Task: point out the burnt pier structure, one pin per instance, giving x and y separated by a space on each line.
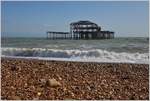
82 30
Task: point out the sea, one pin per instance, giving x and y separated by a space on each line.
117 50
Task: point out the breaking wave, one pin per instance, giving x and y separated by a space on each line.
92 55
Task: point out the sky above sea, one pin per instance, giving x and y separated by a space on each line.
34 18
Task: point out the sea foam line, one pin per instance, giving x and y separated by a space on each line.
92 55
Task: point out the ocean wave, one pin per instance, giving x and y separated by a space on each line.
92 55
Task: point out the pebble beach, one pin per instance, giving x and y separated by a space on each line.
29 79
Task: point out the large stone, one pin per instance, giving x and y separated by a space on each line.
53 83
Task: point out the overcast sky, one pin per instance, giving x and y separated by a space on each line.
33 19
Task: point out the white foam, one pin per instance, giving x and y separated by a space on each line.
92 55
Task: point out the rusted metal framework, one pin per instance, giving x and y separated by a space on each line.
105 35
82 30
58 35
88 30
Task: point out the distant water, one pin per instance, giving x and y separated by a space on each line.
130 50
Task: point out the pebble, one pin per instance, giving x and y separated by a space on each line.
39 93
25 84
36 98
42 81
15 97
88 87
53 83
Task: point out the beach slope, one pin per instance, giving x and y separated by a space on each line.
26 79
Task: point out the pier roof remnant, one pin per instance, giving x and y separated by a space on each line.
83 23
